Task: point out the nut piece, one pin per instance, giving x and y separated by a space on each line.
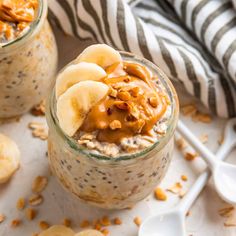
189 110
124 96
115 124
153 101
137 220
20 205
43 225
105 232
2 218
181 144
39 184
67 222
176 188
160 194
122 105
113 92
117 221
105 221
134 91
184 177
190 156
35 200
30 213
85 224
15 223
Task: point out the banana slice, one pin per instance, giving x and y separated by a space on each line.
100 54
75 103
90 232
76 73
58 230
9 158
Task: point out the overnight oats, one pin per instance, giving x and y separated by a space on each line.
28 55
111 121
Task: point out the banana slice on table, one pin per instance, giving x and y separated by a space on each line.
9 158
58 230
90 232
100 54
76 73
75 103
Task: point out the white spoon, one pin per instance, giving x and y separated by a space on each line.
172 222
224 174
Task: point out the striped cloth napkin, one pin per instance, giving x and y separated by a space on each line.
192 41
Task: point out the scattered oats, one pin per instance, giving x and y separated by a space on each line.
39 184
105 232
226 211
85 224
39 110
115 124
105 221
43 225
160 194
189 110
87 137
176 188
204 138
2 218
184 177
38 130
30 213
117 221
15 223
230 221
35 199
204 118
189 156
67 222
137 220
20 204
181 144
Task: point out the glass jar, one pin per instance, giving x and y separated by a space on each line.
106 182
28 65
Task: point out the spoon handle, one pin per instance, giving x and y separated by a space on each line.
204 152
202 180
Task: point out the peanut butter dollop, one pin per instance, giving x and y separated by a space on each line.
133 106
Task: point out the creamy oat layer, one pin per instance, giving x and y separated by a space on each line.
111 107
15 18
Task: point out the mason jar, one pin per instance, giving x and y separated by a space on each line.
28 65
111 182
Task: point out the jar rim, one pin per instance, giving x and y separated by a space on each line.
171 124
42 11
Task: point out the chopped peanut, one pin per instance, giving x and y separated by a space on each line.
160 194
122 105
39 184
190 156
20 205
39 110
97 225
15 223
67 222
30 213
137 220
85 224
105 221
115 124
189 110
105 232
117 221
153 101
43 225
134 91
2 218
124 96
184 177
181 144
35 200
205 118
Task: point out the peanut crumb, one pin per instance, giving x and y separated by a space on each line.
184 177
160 194
38 130
97 225
188 213
117 221
85 224
189 156
43 225
30 213
105 232
20 204
189 110
137 220
2 218
115 124
35 200
153 101
39 184
204 138
15 223
124 96
39 110
204 118
105 221
181 144
67 222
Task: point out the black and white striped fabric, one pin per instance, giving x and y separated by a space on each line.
192 41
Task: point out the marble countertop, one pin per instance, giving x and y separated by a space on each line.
58 204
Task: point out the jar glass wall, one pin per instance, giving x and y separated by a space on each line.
28 65
107 182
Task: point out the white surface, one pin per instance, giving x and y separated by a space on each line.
58 204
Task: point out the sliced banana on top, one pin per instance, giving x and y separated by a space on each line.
58 230
100 54
75 103
76 73
90 232
9 158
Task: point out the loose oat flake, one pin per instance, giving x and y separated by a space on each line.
39 184
35 200
38 130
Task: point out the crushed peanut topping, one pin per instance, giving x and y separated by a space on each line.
20 205
117 221
2 218
97 225
39 184
67 222
115 124
181 144
189 156
160 194
43 225
85 224
184 177
105 232
137 221
15 223
105 221
39 110
30 213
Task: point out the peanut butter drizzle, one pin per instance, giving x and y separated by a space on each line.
15 16
132 107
